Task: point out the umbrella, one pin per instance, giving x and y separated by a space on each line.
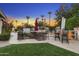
36 24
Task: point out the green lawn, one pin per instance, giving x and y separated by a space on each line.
41 49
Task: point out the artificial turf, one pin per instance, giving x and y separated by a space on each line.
36 49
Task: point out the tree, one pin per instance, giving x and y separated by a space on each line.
61 12
28 19
72 22
67 10
75 9
40 24
42 16
49 16
71 13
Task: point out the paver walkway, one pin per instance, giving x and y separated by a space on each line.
72 46
4 43
29 41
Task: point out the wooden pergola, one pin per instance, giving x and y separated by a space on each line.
3 19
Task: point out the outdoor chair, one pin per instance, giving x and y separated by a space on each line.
71 35
20 36
64 37
57 35
75 36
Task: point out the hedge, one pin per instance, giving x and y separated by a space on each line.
4 37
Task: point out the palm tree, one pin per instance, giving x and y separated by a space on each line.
49 17
28 17
42 16
27 20
44 21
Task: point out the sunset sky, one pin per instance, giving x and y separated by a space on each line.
21 10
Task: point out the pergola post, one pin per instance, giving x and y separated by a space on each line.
0 26
63 21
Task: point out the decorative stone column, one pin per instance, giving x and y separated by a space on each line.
13 37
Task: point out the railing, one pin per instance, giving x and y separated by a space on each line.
32 35
43 35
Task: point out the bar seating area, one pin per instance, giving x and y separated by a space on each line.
66 36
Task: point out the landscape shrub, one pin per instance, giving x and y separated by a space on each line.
73 22
4 36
